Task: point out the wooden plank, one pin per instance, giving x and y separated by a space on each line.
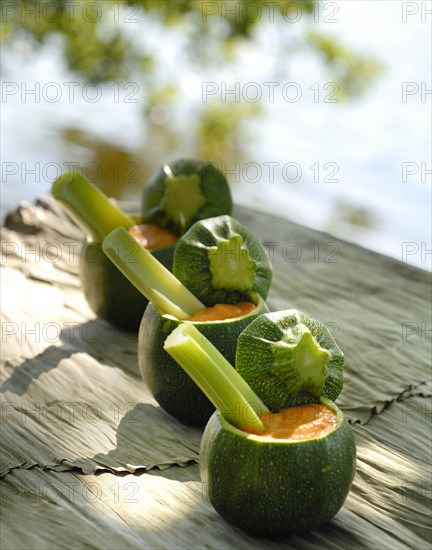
60 326
405 427
75 406
70 400
389 506
48 510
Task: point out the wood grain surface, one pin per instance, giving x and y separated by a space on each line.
88 458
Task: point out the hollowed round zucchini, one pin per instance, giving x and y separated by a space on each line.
277 487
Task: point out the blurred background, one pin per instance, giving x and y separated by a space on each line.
318 112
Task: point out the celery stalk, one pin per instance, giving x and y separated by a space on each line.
216 377
88 206
149 276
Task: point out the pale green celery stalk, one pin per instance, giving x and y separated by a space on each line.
88 206
149 276
216 377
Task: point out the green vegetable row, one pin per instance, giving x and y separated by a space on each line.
246 366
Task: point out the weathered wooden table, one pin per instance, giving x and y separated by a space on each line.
88 459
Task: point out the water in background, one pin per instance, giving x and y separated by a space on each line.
334 167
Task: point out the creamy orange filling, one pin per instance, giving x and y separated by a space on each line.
151 236
220 312
299 423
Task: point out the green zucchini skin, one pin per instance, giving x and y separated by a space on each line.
169 384
109 294
201 251
255 360
276 488
213 187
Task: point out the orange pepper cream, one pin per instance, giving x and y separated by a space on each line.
151 236
298 423
220 312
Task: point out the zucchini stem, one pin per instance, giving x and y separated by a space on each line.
89 207
149 276
216 377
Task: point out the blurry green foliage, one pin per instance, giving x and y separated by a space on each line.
97 46
99 41
353 73
223 123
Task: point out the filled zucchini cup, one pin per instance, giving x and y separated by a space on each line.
172 388
268 473
276 485
234 276
110 295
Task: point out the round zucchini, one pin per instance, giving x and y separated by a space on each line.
289 358
277 487
108 292
184 191
221 261
172 388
